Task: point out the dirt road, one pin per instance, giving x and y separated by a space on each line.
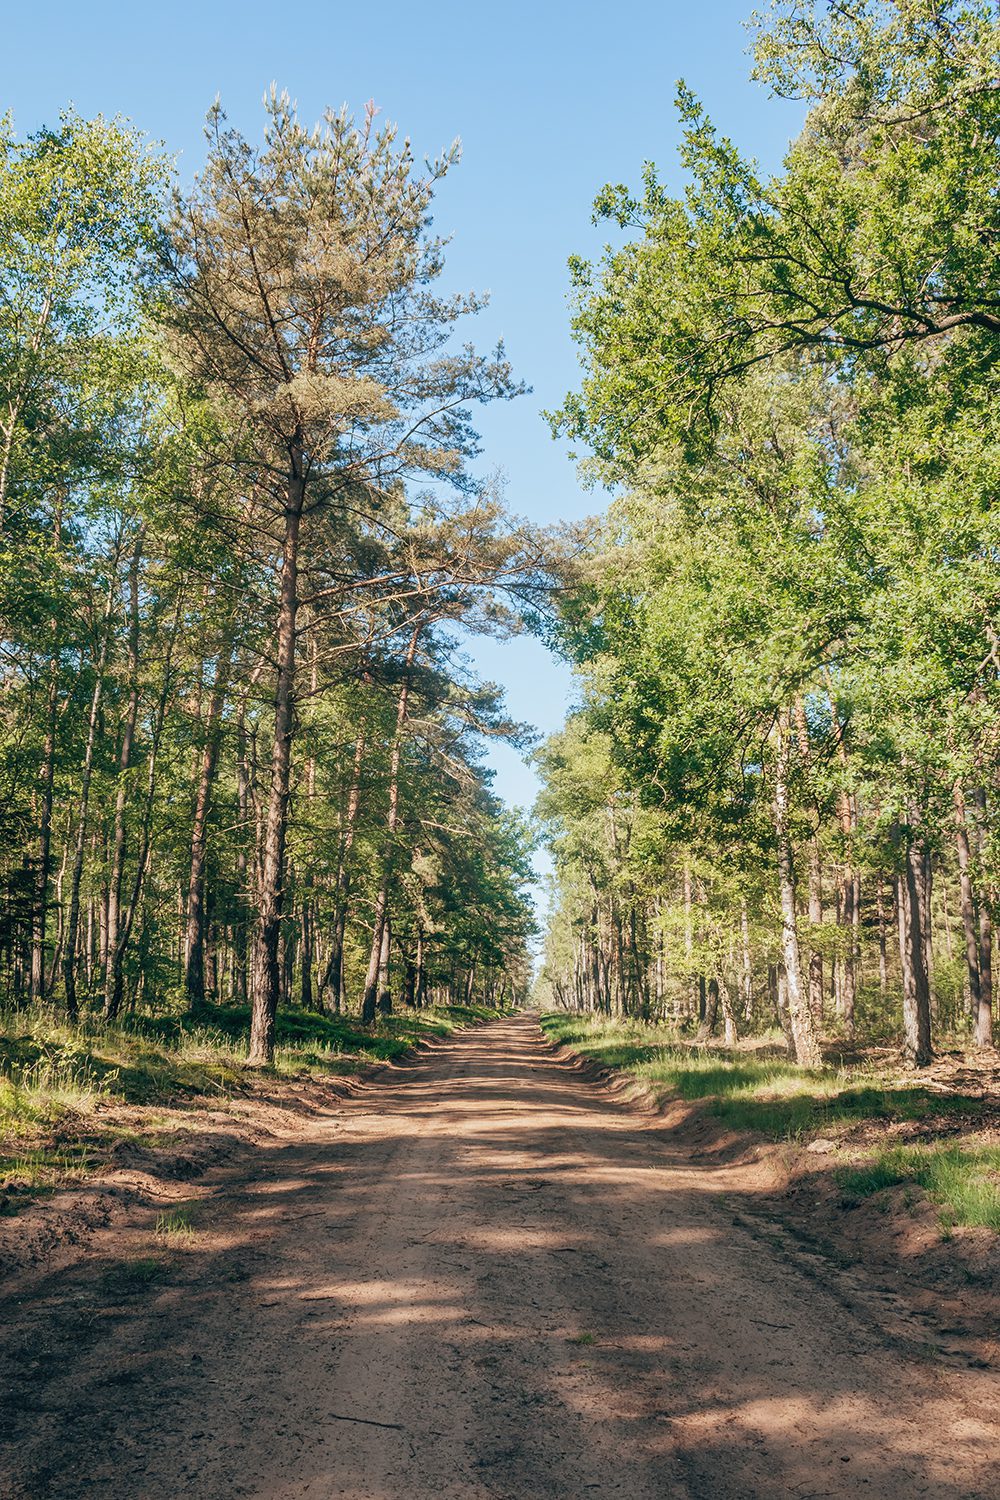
486 1279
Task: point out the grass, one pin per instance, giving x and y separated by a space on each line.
963 1179
130 1276
175 1224
55 1079
767 1094
773 1097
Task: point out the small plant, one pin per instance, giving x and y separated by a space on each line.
176 1223
585 1339
133 1275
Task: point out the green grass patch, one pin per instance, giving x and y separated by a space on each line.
175 1223
767 1094
49 1069
964 1180
32 1173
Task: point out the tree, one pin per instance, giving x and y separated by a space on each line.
300 297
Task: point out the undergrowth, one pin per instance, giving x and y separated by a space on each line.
56 1077
760 1091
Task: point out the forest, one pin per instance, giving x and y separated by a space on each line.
243 548
776 803
362 1133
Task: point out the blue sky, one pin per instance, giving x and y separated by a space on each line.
551 100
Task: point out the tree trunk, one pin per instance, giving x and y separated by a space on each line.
916 997
807 1053
711 1016
240 987
731 1033
267 971
194 939
384 991
781 1007
332 994
371 993
924 880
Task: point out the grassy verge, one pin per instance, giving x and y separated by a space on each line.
770 1096
57 1080
963 1179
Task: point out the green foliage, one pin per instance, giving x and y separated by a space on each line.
785 628
146 411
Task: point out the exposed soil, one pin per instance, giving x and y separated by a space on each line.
483 1276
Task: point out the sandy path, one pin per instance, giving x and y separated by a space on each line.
529 1289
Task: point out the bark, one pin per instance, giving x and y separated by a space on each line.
916 996
384 992
807 1053
332 994
266 969
781 1007
924 882
240 987
306 957
707 1028
194 938
371 993
731 1033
